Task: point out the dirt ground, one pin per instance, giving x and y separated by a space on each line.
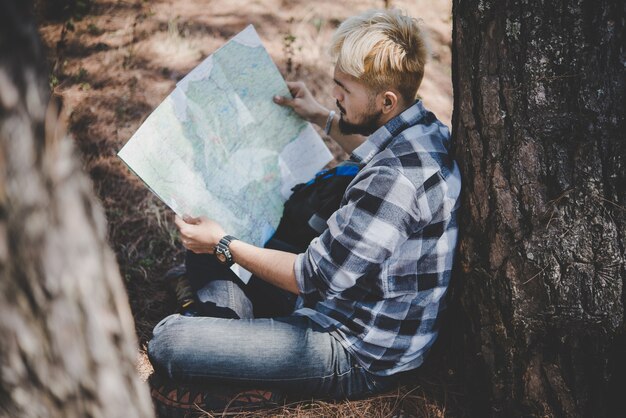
113 62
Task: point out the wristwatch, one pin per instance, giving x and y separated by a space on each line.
222 251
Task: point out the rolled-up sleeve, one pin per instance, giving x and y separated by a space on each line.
379 211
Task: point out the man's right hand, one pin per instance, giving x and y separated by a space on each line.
303 103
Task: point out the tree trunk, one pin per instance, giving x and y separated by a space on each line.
539 131
67 345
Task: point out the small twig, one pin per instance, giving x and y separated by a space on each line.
568 231
611 202
560 197
552 203
542 270
551 217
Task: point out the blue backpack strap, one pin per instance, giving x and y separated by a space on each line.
348 168
344 169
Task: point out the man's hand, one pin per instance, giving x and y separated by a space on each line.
303 103
199 235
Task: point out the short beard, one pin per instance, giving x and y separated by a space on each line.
366 128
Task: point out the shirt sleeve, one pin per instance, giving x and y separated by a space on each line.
380 211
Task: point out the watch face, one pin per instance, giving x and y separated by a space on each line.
221 257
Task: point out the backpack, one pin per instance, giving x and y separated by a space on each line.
310 206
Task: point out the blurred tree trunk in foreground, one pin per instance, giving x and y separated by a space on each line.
540 101
67 345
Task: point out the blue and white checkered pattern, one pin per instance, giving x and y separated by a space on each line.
377 275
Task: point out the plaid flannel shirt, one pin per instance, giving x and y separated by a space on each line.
377 276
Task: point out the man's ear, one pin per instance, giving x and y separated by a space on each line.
390 102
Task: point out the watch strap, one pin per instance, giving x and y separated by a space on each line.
223 248
227 239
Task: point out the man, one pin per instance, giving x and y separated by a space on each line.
370 287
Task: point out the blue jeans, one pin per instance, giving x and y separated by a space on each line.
287 353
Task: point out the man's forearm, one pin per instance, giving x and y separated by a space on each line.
273 266
348 142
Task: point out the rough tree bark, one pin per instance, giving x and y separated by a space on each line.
540 96
67 345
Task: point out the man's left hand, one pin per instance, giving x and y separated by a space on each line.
199 235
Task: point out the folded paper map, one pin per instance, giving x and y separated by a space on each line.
218 146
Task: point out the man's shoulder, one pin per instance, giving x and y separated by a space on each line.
418 149
415 157
420 152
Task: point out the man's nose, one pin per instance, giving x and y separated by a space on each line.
337 94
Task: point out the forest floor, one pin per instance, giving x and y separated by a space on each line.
112 62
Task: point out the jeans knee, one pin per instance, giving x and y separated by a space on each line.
162 348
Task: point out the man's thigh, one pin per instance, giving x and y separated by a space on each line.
290 353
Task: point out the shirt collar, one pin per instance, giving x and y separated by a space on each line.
381 138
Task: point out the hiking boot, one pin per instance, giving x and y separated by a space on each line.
185 296
172 400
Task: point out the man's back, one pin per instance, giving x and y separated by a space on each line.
377 275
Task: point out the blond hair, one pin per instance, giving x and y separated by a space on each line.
383 49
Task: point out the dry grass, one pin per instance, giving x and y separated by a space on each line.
401 404
122 59
406 401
